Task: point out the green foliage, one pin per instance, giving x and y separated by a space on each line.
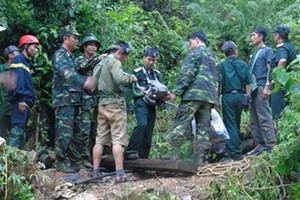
165 26
14 167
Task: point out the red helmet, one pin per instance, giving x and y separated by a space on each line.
28 39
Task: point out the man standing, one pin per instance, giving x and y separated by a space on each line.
235 82
262 127
67 87
9 53
85 64
112 118
22 98
285 54
197 85
141 138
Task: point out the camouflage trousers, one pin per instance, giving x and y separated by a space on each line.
5 120
86 117
19 121
68 144
181 131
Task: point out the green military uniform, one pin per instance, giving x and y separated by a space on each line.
141 138
288 52
235 76
197 85
85 66
4 108
66 97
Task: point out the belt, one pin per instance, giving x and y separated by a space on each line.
234 92
112 96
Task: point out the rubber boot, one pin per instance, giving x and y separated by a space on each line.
17 137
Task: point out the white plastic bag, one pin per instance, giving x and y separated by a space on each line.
218 131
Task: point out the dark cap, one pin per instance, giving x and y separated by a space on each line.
282 29
261 31
200 35
10 49
229 45
68 30
111 47
150 52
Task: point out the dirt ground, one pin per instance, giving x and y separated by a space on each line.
150 185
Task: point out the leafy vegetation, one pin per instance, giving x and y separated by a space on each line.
165 26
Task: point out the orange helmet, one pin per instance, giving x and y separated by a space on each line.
28 39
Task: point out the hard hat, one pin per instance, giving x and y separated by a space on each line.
28 39
90 39
10 49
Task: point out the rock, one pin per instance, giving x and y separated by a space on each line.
188 197
115 194
2 142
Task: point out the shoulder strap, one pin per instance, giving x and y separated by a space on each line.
255 58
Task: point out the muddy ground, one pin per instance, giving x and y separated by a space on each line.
150 185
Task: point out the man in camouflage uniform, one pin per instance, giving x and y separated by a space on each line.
285 54
85 64
112 118
141 138
235 84
197 85
67 88
9 53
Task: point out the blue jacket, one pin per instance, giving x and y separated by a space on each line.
24 91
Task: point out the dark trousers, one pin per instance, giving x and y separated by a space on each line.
141 137
232 110
278 103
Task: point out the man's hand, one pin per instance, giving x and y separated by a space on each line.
266 92
22 106
246 102
90 83
173 96
134 78
102 56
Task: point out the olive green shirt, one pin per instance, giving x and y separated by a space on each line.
110 76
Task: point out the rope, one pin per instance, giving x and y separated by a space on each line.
223 169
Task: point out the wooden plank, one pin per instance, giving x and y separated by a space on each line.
154 165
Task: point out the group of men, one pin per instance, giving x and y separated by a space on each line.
92 84
255 82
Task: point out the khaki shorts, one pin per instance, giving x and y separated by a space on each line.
112 125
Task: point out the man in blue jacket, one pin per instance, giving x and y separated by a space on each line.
22 98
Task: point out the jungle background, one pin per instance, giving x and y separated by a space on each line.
164 25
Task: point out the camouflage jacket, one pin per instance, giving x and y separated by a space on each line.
85 66
199 77
110 76
3 91
66 81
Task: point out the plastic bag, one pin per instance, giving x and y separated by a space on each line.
218 131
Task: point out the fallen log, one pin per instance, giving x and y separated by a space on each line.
181 166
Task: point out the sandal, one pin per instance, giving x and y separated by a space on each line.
125 178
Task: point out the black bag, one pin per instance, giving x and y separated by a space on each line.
156 92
